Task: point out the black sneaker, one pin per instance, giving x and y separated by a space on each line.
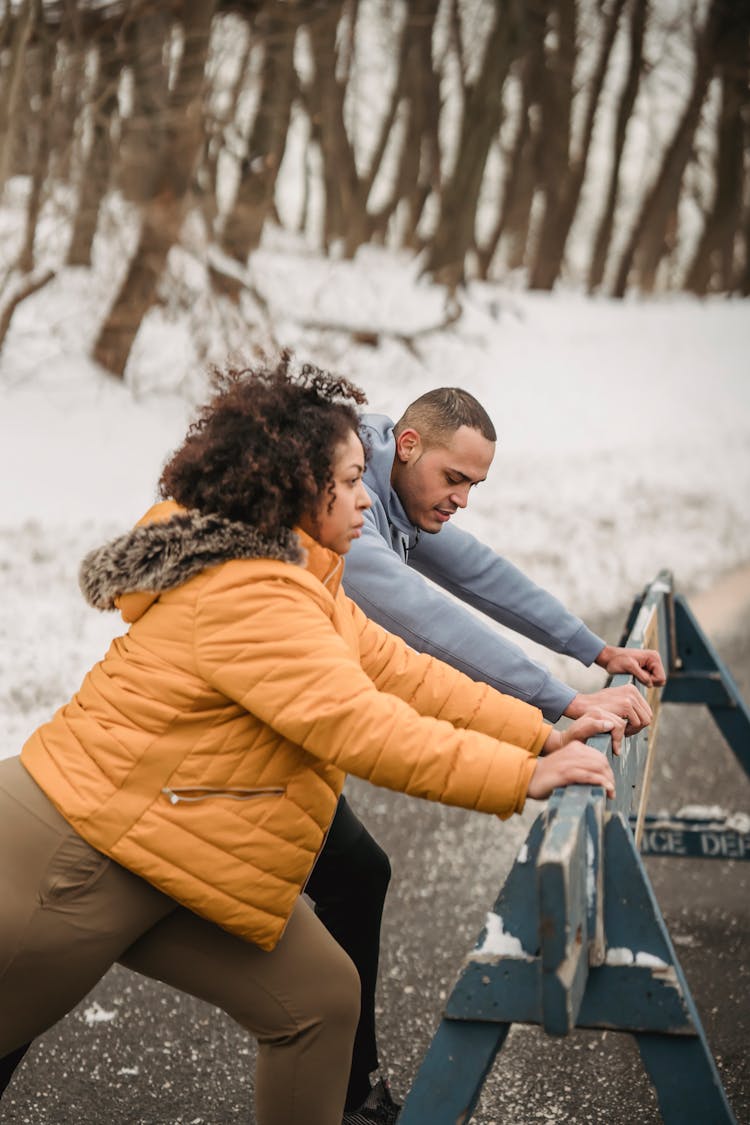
378 1108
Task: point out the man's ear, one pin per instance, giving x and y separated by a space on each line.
408 444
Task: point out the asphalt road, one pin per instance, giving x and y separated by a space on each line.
137 1053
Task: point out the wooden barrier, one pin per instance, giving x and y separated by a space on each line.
576 937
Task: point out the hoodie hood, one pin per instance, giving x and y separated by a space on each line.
159 554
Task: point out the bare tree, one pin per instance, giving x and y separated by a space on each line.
558 219
714 263
147 42
96 171
556 104
346 218
10 94
483 107
40 69
651 239
416 94
628 94
163 213
276 27
522 162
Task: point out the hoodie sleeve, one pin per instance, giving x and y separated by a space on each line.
280 657
399 599
460 563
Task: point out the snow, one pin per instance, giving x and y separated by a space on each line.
623 430
95 1014
497 943
624 956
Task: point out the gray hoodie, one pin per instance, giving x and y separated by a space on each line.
396 596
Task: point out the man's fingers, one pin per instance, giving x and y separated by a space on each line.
656 668
640 673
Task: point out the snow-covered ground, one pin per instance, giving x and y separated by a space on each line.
624 433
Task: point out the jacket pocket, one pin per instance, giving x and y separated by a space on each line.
190 794
73 869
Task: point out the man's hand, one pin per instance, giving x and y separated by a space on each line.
575 764
596 721
644 664
625 701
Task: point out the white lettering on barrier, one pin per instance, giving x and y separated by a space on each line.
672 841
665 841
731 846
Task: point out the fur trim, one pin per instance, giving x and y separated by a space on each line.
160 556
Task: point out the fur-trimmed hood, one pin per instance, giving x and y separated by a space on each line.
162 553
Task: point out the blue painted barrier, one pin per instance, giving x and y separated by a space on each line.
576 937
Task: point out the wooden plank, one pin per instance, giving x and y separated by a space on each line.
563 909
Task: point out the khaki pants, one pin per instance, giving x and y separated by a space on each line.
67 912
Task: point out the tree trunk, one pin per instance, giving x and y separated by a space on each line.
649 241
482 116
163 214
44 51
96 171
521 163
11 91
208 165
346 217
742 284
637 27
557 109
67 103
713 266
278 26
417 92
145 134
556 228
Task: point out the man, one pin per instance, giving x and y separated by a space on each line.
420 471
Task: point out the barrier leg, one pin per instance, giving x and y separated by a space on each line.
704 678
450 1079
685 1078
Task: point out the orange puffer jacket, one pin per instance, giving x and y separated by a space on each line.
207 750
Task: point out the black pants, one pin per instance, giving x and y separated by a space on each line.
348 885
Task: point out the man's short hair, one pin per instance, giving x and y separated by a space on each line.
437 415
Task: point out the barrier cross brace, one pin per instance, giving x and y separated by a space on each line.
576 937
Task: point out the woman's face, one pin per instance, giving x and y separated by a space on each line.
335 528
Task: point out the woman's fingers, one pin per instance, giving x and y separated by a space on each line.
575 764
599 721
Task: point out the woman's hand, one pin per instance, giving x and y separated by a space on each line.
575 764
597 721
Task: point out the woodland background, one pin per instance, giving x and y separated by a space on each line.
597 144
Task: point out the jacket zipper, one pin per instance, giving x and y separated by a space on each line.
190 794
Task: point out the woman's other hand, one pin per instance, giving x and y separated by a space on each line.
574 764
598 721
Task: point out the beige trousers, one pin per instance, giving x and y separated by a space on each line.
67 913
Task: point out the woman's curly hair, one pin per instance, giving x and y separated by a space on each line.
262 449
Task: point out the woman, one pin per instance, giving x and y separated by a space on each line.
169 816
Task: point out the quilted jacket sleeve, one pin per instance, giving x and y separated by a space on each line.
279 655
432 687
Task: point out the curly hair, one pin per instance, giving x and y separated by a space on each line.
261 451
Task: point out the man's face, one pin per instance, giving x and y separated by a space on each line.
434 482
